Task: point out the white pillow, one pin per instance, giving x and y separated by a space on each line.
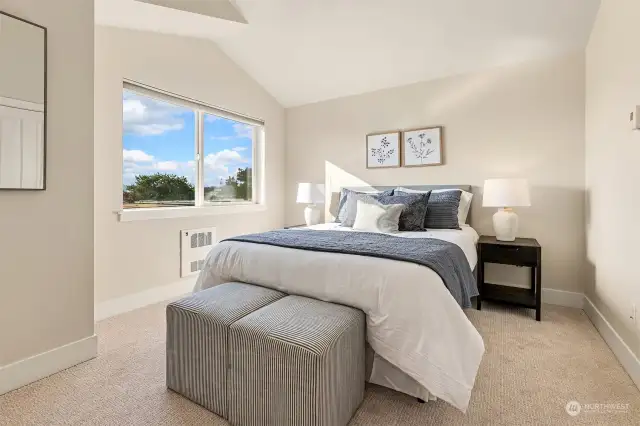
375 217
463 207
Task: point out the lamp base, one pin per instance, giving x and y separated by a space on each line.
505 224
312 215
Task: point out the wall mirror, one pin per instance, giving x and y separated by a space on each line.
23 104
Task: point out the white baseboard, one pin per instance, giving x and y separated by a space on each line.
130 302
563 298
29 370
620 349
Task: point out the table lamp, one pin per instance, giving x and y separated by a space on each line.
311 194
505 194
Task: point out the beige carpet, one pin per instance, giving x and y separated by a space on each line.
529 373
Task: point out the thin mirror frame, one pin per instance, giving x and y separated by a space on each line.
46 107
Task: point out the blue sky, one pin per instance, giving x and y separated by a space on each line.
159 137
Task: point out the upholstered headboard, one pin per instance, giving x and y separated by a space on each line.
468 188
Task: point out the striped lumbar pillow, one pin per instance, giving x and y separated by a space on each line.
442 209
465 200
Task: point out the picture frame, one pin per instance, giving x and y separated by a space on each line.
422 147
383 150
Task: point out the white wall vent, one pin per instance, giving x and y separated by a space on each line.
195 244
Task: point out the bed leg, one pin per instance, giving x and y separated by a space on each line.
421 401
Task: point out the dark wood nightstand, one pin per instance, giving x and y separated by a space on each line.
521 252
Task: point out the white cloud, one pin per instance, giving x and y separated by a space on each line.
145 116
137 162
239 148
223 158
240 131
211 118
217 166
220 165
167 165
243 130
135 155
132 169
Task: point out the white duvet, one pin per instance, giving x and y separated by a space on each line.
424 344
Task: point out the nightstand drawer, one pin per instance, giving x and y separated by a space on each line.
510 255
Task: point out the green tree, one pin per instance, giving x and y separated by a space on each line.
243 187
127 198
241 183
160 187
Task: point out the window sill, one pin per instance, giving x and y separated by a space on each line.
180 212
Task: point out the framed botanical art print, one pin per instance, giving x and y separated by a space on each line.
383 150
422 147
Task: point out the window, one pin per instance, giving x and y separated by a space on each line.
228 160
179 153
158 153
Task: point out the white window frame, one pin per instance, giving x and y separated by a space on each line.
201 207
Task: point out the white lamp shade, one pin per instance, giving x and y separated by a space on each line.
310 193
506 193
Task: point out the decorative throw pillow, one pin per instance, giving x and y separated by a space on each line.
375 217
415 211
463 208
465 204
351 206
413 215
442 209
342 205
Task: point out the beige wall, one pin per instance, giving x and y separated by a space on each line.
22 60
612 169
136 256
521 121
46 238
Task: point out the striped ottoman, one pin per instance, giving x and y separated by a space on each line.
297 361
197 335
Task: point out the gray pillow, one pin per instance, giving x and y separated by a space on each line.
442 209
415 211
412 217
375 217
350 209
342 205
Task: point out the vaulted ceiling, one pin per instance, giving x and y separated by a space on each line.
305 51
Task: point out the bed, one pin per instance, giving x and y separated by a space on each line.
421 341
